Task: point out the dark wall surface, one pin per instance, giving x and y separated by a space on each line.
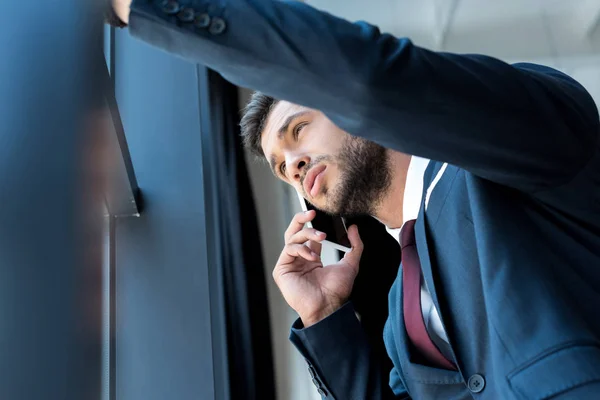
165 333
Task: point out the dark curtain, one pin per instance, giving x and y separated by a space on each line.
249 339
251 374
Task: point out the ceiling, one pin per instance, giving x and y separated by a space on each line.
509 29
564 34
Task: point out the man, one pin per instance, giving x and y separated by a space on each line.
498 291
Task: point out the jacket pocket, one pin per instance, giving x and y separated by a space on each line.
557 371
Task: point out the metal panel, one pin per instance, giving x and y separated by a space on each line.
164 336
123 195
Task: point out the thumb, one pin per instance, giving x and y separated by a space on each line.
353 256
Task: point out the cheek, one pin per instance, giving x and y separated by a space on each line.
326 139
333 176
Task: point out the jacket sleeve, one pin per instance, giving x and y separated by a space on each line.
526 126
340 360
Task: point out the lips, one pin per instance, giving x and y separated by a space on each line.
311 176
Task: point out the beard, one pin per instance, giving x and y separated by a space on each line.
365 176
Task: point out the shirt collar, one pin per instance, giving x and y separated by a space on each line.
413 193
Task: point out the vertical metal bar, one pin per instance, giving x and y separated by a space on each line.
213 235
112 264
106 307
122 195
111 64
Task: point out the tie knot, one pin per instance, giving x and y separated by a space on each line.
407 234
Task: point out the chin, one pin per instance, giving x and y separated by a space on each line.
332 208
322 206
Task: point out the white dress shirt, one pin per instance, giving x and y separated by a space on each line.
413 194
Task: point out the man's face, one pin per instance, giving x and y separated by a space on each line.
336 172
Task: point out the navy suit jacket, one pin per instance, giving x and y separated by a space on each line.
510 241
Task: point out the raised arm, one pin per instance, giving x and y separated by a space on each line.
526 126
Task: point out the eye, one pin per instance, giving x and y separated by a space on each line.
298 128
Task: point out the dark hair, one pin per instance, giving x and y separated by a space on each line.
254 119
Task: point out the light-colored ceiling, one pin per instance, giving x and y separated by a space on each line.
510 29
564 34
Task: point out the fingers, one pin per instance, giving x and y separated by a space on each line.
297 234
305 235
315 246
292 251
353 256
298 223
301 243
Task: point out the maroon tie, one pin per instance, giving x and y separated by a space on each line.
411 298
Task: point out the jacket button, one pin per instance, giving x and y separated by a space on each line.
186 15
170 7
476 383
312 372
217 26
322 392
202 21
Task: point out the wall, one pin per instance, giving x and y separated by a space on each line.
165 331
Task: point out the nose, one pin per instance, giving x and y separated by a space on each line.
296 165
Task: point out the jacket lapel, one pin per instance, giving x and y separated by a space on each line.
421 231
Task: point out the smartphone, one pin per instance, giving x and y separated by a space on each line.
334 227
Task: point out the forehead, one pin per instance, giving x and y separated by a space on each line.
277 117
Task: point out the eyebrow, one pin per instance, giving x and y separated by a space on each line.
272 164
282 131
286 125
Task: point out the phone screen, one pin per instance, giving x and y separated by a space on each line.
333 227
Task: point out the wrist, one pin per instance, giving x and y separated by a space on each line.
316 317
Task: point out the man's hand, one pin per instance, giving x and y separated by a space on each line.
122 8
309 288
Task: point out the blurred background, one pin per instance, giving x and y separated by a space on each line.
137 238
